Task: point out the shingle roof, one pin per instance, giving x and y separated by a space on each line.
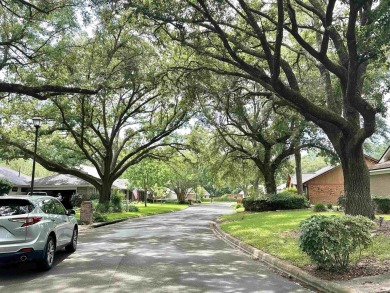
16 178
384 165
308 176
60 180
121 183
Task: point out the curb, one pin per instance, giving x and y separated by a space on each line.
280 265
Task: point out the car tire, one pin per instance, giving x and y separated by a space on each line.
71 247
48 255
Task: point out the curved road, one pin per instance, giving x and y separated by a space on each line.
173 252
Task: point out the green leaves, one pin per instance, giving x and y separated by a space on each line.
329 241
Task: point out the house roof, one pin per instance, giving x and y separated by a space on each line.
14 177
121 183
384 161
308 176
60 180
386 156
70 180
384 165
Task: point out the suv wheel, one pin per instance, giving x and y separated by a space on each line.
72 246
48 256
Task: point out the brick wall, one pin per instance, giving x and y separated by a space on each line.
325 193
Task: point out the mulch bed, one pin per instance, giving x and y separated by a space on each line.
367 266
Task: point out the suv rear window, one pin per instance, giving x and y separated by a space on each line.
11 207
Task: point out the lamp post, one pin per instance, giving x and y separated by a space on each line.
37 123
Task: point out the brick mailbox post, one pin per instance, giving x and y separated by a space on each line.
86 213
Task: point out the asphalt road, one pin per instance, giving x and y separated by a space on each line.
173 252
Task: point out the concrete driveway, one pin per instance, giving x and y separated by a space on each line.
173 252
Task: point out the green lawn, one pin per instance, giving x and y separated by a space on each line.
151 209
277 233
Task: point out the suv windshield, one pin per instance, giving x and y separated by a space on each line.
11 207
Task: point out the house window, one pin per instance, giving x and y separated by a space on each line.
14 189
24 189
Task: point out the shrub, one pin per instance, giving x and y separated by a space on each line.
382 204
238 205
329 206
291 190
287 201
329 241
116 202
99 217
103 207
319 207
281 201
341 201
94 196
256 205
5 186
76 200
133 208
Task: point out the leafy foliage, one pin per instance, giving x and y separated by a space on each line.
133 208
382 204
99 217
319 207
341 201
281 201
329 241
5 186
116 202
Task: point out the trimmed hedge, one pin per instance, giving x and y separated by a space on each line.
288 201
382 204
280 201
257 205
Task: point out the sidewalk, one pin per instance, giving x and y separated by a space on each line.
380 283
370 284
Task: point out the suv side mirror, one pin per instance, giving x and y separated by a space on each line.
70 212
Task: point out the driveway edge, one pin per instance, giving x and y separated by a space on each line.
280 265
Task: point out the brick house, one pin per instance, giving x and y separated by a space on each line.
326 184
380 175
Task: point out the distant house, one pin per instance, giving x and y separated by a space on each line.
190 194
380 176
325 185
20 182
68 184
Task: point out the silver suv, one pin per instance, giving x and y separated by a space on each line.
33 228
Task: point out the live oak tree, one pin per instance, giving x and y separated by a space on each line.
255 128
30 33
132 116
277 44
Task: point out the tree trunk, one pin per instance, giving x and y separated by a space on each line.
181 196
270 183
298 170
256 183
105 192
356 183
